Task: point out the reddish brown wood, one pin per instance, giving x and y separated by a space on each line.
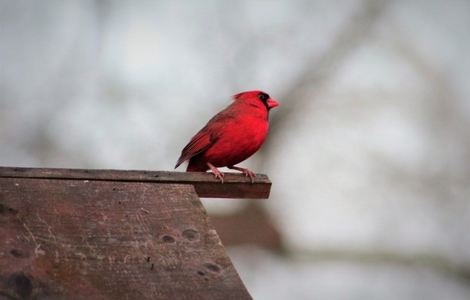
251 225
234 186
106 236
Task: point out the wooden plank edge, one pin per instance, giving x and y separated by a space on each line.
235 185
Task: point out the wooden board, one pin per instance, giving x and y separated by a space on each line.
109 238
235 185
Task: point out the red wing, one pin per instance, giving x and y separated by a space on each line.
207 136
199 143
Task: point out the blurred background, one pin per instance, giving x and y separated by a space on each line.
369 152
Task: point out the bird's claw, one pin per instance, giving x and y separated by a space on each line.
250 174
247 172
219 175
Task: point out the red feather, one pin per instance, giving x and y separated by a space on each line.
200 142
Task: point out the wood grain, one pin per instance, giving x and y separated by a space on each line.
111 235
235 185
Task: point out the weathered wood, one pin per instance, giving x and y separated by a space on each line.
206 185
112 235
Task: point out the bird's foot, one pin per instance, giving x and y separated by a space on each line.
247 172
219 175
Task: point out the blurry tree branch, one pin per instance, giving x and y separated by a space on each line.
434 262
319 69
446 121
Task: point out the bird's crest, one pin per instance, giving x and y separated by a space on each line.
246 94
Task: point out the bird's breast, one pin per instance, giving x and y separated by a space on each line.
238 140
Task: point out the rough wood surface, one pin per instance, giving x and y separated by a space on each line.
110 238
235 184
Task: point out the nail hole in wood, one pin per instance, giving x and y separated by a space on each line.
167 239
212 267
16 253
191 234
21 284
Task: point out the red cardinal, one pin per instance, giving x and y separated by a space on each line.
231 136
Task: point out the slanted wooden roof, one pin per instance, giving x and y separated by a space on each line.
108 234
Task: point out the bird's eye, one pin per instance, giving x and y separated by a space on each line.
263 97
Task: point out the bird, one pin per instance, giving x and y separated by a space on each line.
231 136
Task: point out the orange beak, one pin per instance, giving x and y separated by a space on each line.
272 103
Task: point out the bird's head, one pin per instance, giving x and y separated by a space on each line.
256 98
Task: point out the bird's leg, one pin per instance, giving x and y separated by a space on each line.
247 172
216 172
